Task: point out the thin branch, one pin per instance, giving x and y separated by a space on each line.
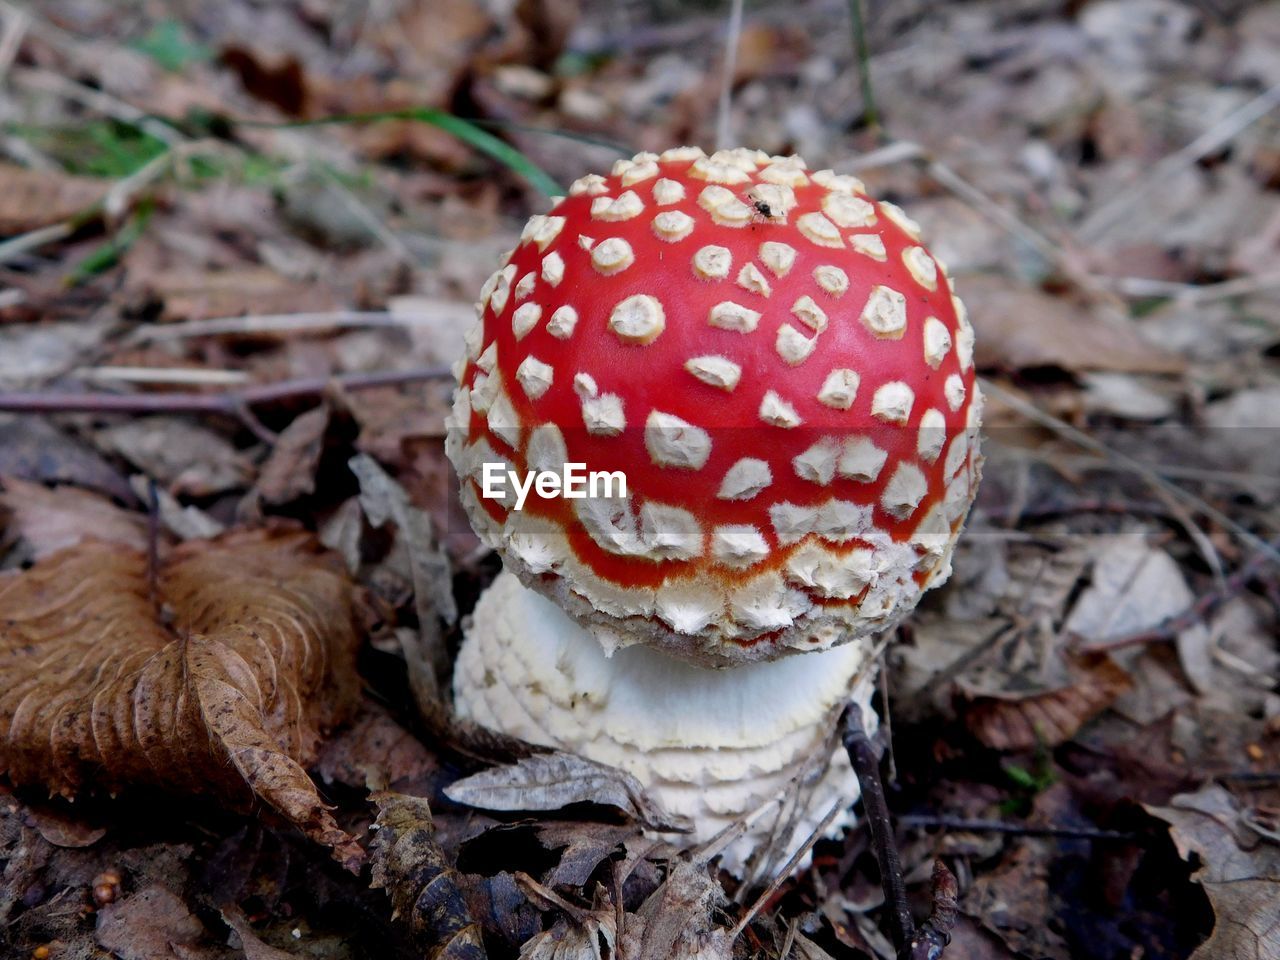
292 322
787 869
724 113
1082 439
926 820
866 764
1215 138
229 403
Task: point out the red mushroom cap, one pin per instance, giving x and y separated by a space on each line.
779 369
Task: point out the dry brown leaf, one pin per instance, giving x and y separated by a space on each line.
97 693
1013 722
49 520
675 922
36 198
1020 328
1239 872
290 471
153 924
411 867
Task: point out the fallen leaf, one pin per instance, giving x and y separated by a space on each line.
34 450
153 924
374 752
183 456
290 471
97 693
409 864
1013 722
552 781
385 501
36 198
675 922
1020 328
49 520
1239 871
1134 587
62 830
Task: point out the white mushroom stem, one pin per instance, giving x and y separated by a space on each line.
714 745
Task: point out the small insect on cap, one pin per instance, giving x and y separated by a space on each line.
778 368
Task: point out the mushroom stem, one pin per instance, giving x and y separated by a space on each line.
712 745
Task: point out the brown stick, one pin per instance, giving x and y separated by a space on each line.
229 403
934 934
866 764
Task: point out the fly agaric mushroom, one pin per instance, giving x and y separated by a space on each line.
784 378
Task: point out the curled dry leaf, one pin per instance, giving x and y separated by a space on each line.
409 864
1013 722
1239 872
96 692
550 781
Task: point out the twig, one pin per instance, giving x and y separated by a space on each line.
1219 135
725 110
96 100
162 375
229 403
1193 294
866 764
944 175
787 869
288 323
23 243
932 936
926 820
862 51
1082 439
153 542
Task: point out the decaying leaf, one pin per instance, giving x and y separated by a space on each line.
385 501
580 935
153 924
409 864
186 457
290 471
49 520
98 693
551 781
675 922
1014 722
1020 328
1239 871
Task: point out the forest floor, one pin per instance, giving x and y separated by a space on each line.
222 322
